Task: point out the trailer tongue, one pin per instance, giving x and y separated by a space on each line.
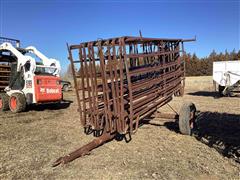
120 81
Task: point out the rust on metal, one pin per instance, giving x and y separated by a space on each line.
84 150
120 81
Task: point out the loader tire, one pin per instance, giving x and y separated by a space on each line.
17 102
187 118
4 98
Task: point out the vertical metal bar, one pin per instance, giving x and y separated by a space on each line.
121 125
82 74
92 88
184 64
105 88
164 70
96 84
116 82
129 87
75 84
88 85
112 85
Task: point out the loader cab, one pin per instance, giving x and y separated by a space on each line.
9 75
44 70
16 80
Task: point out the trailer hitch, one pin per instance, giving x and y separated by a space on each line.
84 149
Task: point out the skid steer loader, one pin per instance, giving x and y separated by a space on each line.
31 77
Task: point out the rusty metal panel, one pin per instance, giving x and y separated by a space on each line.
120 80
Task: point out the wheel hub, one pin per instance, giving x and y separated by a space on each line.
1 103
13 102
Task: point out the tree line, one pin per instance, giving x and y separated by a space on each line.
196 66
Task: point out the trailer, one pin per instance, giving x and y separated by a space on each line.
120 81
226 77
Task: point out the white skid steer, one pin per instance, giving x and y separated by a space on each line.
30 82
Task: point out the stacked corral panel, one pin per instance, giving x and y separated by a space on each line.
121 80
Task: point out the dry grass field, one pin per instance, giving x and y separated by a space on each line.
31 141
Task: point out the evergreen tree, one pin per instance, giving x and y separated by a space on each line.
203 66
227 56
238 55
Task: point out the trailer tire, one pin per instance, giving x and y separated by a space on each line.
4 98
220 90
17 102
187 118
181 91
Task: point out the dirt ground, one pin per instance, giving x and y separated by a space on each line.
31 141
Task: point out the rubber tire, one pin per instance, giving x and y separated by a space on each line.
180 93
21 103
185 116
220 90
65 88
5 99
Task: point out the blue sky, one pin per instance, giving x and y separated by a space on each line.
49 24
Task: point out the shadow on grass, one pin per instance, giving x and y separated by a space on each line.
220 131
49 106
204 93
214 94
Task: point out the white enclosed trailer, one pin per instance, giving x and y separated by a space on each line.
226 76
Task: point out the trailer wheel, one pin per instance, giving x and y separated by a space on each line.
17 102
4 98
187 118
181 91
220 90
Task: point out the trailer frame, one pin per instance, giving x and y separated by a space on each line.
120 81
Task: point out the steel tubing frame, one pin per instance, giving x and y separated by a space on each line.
120 77
122 80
